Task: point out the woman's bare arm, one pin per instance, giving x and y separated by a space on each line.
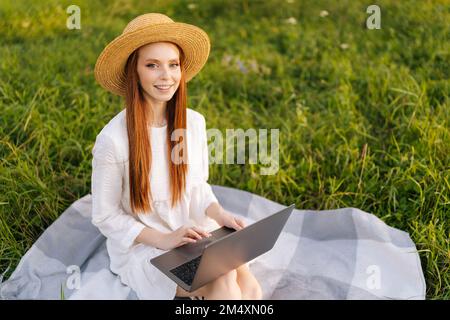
150 237
215 211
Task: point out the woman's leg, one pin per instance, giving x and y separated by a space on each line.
223 288
250 288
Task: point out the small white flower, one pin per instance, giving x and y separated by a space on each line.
344 46
323 13
265 70
25 24
291 20
192 6
254 65
226 59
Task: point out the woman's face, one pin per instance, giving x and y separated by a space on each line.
159 65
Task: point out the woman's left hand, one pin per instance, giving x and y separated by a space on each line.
229 220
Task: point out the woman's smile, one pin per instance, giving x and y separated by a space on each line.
163 88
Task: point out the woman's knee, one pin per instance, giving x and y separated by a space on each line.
250 287
253 292
228 286
228 279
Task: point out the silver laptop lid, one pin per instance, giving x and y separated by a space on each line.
239 247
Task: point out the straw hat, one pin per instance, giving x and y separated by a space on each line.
147 28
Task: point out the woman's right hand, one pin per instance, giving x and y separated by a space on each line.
182 236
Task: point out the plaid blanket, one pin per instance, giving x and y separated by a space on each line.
321 254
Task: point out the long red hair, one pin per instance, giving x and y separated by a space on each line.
138 114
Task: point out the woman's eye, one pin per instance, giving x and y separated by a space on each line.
152 64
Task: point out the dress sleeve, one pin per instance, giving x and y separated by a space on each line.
106 188
203 195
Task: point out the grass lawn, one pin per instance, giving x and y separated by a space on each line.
363 114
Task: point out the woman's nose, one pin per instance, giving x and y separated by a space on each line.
165 72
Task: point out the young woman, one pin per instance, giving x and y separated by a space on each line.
150 162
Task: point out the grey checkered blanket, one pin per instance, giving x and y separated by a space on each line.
321 254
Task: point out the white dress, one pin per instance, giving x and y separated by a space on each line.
111 211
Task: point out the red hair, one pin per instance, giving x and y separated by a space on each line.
138 115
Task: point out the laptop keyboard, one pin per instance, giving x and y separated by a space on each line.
186 271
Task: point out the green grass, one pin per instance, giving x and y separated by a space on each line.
387 91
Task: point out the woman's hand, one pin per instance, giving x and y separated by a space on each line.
229 220
181 236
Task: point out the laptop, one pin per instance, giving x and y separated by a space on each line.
193 265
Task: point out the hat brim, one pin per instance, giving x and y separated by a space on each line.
109 68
